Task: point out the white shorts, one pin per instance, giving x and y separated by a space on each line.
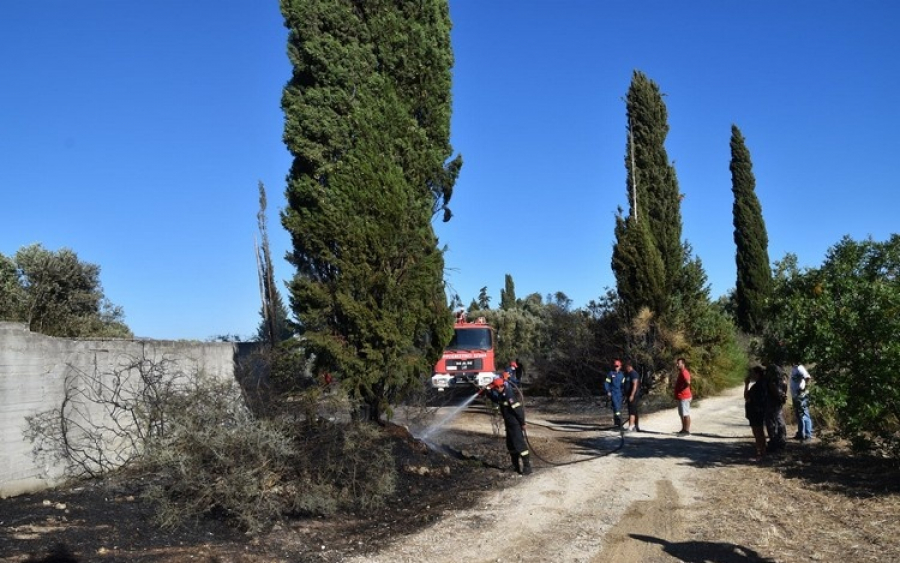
684 407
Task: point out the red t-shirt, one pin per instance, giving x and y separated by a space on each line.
683 385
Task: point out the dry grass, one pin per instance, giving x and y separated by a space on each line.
814 504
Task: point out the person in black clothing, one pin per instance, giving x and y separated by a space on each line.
513 414
777 396
756 399
632 396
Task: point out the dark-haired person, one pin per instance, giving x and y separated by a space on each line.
682 392
800 395
632 396
756 395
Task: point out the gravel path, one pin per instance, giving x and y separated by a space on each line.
611 496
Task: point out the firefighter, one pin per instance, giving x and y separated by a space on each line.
512 373
513 414
614 387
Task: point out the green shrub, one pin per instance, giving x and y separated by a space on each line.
842 320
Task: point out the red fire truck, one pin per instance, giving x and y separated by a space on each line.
469 358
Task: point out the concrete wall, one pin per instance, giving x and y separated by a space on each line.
37 372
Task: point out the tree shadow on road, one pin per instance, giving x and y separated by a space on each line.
823 466
705 552
695 452
839 470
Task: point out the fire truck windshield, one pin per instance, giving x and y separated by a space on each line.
471 339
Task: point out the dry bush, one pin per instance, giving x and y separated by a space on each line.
356 459
218 459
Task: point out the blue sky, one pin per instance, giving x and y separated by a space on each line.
135 134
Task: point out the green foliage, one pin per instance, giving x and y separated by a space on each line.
367 121
518 332
366 318
56 294
283 328
662 301
843 321
342 52
508 294
274 325
484 300
754 276
639 269
652 176
710 338
288 367
12 293
574 351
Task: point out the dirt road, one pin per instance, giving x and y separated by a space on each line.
596 495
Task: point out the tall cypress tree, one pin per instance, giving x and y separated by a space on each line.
367 118
508 294
654 201
754 274
657 186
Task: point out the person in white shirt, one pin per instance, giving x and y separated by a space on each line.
800 394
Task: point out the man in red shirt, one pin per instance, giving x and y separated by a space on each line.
683 396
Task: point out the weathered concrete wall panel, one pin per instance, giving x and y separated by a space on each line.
37 372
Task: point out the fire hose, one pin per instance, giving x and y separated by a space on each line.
521 397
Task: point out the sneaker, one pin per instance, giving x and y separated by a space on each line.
631 429
683 433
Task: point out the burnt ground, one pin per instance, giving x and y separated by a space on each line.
106 520
813 503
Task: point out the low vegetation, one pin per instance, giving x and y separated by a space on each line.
217 458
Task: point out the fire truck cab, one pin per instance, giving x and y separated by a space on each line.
469 357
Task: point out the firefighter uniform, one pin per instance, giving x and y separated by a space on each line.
614 388
513 413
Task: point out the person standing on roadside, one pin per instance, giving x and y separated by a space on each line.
683 395
756 394
613 387
778 392
800 399
632 395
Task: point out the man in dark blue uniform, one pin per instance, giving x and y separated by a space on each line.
614 387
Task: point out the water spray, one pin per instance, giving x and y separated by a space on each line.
447 418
